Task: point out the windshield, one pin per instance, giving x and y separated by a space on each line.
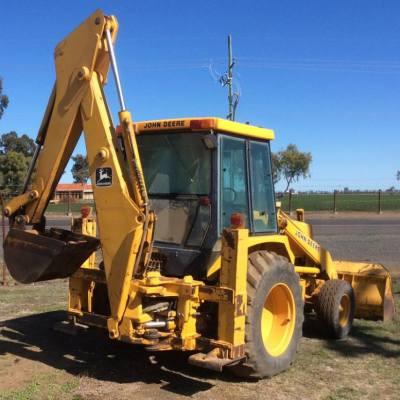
177 172
175 163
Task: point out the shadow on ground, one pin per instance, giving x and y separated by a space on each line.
94 354
363 339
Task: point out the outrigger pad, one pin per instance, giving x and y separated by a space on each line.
57 253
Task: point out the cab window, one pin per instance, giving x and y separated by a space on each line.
262 190
233 180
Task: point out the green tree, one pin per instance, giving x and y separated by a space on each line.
13 169
80 169
3 99
20 144
15 155
293 164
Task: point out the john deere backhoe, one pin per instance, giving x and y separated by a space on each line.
195 254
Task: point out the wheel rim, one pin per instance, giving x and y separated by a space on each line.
278 319
344 310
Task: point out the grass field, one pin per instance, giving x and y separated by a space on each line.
62 208
38 363
344 202
310 202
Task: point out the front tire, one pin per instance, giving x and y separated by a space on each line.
335 307
274 316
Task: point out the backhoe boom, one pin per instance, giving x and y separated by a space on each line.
78 104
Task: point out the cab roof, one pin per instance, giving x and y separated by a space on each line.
204 124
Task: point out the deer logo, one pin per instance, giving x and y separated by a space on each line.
103 176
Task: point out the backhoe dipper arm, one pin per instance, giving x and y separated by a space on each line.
78 103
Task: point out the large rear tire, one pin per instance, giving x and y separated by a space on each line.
335 307
274 316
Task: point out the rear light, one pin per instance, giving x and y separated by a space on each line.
237 220
204 201
202 124
86 211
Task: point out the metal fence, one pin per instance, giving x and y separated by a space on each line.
337 201
67 205
372 201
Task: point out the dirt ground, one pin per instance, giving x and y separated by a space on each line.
37 362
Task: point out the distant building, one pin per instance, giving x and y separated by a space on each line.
73 192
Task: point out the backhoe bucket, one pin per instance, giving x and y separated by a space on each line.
57 253
372 287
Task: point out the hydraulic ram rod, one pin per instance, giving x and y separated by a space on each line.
114 67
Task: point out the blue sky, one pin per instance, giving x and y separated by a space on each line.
324 75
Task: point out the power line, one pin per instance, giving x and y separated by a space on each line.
329 65
322 65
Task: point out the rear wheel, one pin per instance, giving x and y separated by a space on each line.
335 307
274 316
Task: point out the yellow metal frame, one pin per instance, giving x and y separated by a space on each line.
233 274
299 235
78 104
86 226
209 123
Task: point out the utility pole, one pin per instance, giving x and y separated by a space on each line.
229 81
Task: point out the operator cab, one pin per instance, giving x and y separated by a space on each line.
201 173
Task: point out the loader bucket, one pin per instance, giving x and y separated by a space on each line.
372 287
56 253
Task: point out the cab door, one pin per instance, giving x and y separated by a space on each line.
246 185
262 193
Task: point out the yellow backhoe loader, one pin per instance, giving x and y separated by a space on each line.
195 254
